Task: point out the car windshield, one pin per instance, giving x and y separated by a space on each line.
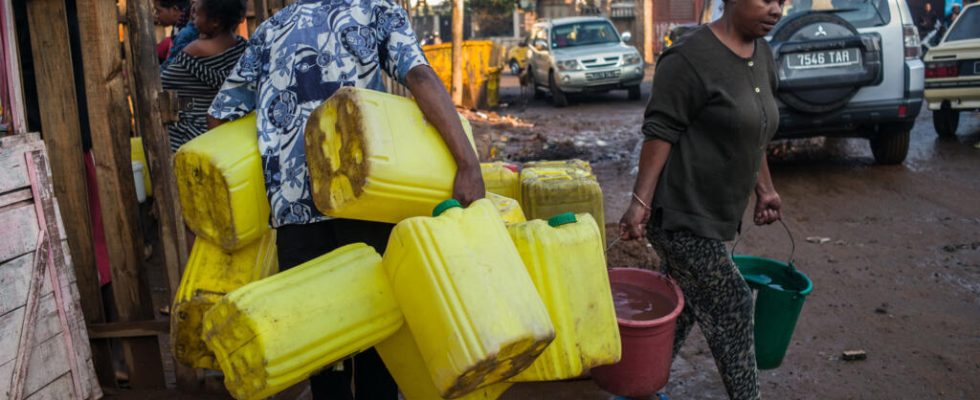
967 26
860 13
583 33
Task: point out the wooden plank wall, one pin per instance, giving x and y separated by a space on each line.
49 363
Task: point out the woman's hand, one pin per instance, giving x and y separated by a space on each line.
767 207
634 221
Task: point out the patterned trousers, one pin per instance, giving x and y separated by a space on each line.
718 300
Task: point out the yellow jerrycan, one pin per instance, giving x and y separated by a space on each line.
468 300
373 156
566 259
502 178
509 209
271 334
561 164
551 190
221 185
403 360
212 272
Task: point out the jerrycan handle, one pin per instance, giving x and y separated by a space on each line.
562 219
445 205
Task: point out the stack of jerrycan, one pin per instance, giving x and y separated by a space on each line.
467 298
222 194
274 333
550 188
211 273
502 178
566 260
372 156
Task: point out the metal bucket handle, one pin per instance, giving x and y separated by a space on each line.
792 241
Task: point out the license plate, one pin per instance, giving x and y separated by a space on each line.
594 76
824 59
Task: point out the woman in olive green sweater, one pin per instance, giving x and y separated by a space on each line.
709 119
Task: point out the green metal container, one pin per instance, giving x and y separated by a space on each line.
781 291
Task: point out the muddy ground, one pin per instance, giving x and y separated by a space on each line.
899 277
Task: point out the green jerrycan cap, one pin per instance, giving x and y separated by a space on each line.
445 205
562 219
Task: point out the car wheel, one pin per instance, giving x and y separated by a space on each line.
890 148
946 120
515 67
559 98
538 94
633 92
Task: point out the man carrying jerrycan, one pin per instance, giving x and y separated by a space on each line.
296 60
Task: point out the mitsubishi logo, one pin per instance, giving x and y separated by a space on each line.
820 31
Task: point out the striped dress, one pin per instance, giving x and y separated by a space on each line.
196 81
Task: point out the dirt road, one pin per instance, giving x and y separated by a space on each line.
898 278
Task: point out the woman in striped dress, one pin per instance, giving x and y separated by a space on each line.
197 72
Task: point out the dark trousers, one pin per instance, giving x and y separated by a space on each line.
300 243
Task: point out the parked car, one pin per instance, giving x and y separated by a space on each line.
953 72
517 57
581 55
847 68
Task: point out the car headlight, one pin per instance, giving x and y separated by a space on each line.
568 65
632 59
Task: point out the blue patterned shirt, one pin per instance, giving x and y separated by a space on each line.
297 59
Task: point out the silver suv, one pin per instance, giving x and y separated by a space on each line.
847 68
581 55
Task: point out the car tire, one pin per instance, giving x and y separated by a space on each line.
558 98
515 67
813 100
633 92
946 120
890 148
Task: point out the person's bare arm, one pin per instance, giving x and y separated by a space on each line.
653 157
439 110
768 205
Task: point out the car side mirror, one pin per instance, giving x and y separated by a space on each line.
541 45
627 37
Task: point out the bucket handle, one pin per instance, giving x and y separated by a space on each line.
792 241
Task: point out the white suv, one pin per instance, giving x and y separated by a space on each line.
581 55
846 68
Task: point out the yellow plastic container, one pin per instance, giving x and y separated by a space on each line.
509 209
560 164
136 153
468 300
566 259
549 190
405 363
271 334
211 273
221 185
477 69
372 156
502 178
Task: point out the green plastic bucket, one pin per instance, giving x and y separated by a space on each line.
781 290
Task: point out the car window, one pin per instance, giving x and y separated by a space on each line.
967 26
583 33
860 13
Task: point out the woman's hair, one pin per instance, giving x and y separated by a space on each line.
181 4
228 13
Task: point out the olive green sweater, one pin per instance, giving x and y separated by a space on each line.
719 112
